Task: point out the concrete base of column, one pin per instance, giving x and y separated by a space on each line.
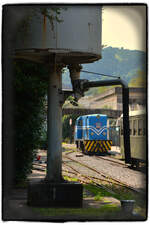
45 194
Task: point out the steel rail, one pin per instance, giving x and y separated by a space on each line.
89 178
110 160
106 176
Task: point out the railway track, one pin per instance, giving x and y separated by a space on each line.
83 178
112 160
108 178
107 158
90 179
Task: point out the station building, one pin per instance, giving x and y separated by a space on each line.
112 99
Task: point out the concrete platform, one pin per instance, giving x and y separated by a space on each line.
45 194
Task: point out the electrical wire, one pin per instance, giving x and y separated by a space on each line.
100 74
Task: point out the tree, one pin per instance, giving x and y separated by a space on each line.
30 89
139 80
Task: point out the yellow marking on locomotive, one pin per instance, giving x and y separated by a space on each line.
103 149
100 147
96 149
90 146
97 145
109 143
94 146
106 148
87 144
92 149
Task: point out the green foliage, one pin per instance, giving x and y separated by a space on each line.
139 80
30 88
98 192
119 62
66 129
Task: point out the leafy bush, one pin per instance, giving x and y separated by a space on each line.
30 89
66 129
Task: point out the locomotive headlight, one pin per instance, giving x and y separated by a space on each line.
104 133
92 133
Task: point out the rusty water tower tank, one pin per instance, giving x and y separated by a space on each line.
74 37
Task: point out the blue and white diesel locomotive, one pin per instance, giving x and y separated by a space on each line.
91 135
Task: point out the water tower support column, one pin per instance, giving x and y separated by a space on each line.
54 120
53 191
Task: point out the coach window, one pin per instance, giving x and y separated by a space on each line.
140 126
121 128
144 128
134 127
130 127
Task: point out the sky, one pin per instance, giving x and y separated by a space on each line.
124 26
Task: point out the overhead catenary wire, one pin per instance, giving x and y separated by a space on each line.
99 74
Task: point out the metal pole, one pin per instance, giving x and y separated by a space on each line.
126 127
54 120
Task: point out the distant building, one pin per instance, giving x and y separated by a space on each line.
112 99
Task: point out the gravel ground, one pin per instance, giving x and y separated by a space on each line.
134 178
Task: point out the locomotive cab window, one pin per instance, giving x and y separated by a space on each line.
80 123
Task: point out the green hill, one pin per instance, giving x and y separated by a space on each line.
127 64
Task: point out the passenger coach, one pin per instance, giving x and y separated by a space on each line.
137 136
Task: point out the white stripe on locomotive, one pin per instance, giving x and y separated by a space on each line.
98 132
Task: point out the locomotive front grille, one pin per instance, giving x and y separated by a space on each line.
97 146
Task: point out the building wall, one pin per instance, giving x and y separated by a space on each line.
112 99
109 102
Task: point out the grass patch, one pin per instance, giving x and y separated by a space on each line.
70 178
109 208
102 211
99 194
121 193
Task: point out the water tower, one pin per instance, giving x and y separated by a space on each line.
57 36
